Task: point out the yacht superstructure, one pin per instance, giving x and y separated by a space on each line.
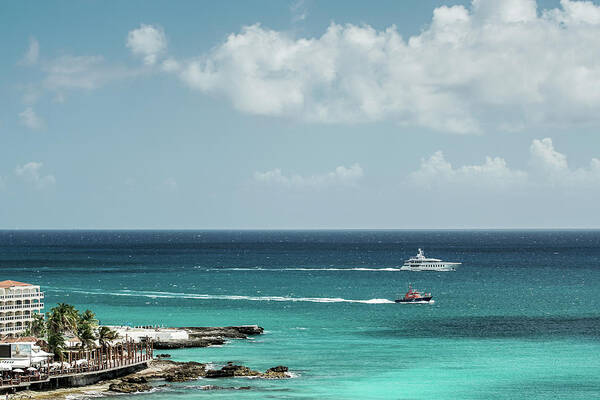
422 263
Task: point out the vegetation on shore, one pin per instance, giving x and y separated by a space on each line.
64 321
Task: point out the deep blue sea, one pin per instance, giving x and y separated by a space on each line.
519 319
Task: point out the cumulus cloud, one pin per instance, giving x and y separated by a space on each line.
30 119
341 176
494 172
548 167
32 54
31 174
147 41
552 167
497 64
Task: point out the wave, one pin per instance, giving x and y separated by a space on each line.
303 269
193 296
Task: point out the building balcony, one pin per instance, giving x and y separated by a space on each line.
11 328
16 317
38 295
22 306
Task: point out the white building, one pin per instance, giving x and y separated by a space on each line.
18 303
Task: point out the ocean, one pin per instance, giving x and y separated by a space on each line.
519 319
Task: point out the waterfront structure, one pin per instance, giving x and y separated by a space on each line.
19 302
24 353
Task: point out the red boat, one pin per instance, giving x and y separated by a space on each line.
414 296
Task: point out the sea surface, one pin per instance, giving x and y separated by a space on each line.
519 319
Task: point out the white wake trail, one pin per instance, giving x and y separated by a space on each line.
193 296
304 269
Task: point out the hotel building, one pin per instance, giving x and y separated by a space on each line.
18 303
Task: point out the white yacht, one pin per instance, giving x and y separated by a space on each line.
422 263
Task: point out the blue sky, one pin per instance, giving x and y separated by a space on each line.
300 114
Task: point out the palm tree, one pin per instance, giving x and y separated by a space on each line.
55 332
105 335
66 316
88 316
37 327
86 322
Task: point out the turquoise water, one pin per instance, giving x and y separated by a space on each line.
519 319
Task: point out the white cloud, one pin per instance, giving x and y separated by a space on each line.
544 157
30 119
170 65
341 176
493 173
147 41
549 168
32 54
82 72
299 11
31 174
471 69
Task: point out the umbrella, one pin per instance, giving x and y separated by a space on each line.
18 370
31 369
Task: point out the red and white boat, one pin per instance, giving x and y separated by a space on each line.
415 297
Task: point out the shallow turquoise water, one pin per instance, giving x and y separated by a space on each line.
520 318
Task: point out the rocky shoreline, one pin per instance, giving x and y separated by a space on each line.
199 336
172 371
161 374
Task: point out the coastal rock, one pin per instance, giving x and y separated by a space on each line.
240 370
278 372
185 372
204 336
219 373
279 368
126 387
173 371
249 330
164 355
231 370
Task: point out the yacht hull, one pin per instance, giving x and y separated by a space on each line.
422 300
441 269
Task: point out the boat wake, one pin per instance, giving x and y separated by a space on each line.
171 295
302 269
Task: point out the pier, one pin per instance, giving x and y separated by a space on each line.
83 367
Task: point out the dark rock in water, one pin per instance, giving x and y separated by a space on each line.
278 372
240 370
135 379
185 372
163 355
219 373
248 329
279 368
244 388
126 387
